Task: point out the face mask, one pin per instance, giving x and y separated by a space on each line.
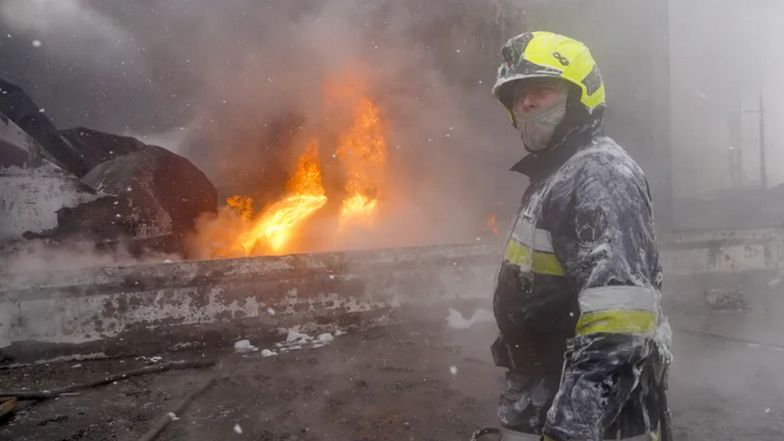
536 130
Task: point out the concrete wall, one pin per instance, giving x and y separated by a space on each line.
75 307
720 282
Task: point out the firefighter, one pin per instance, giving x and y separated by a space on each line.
578 300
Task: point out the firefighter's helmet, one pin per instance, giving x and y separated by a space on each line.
549 55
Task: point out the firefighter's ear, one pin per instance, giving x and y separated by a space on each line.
590 225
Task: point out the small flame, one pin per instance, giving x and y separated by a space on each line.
274 227
491 224
358 206
362 151
243 205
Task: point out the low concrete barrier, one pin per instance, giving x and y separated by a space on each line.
76 307
155 300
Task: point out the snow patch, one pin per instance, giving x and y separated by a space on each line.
325 338
295 336
150 360
244 346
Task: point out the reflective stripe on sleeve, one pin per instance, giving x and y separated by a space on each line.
619 297
618 309
619 321
543 241
535 238
539 262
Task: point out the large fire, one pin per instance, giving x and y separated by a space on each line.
271 230
361 151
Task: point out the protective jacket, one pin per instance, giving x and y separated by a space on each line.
578 291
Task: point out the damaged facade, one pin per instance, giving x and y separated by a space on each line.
81 185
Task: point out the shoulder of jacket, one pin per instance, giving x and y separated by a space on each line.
604 158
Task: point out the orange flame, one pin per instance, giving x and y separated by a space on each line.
362 151
243 205
491 224
274 227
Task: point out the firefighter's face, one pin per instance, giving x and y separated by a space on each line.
537 95
539 106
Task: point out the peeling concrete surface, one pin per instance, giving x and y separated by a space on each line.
75 307
104 303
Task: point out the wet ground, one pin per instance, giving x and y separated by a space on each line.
402 379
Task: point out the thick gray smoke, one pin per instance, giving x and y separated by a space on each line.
233 86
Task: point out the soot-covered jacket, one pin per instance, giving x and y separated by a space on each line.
578 291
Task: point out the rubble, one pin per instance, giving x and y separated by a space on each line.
166 193
88 186
18 108
32 188
92 147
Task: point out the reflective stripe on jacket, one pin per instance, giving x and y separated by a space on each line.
581 270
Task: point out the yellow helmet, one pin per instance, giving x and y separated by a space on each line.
549 55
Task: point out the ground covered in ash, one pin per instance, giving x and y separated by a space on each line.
403 378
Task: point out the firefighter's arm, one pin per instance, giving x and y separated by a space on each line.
607 261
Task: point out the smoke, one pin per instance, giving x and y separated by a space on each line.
19 262
234 87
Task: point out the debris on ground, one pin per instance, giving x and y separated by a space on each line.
404 379
244 346
113 378
7 405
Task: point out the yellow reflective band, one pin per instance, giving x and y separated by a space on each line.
538 262
547 263
517 254
616 321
